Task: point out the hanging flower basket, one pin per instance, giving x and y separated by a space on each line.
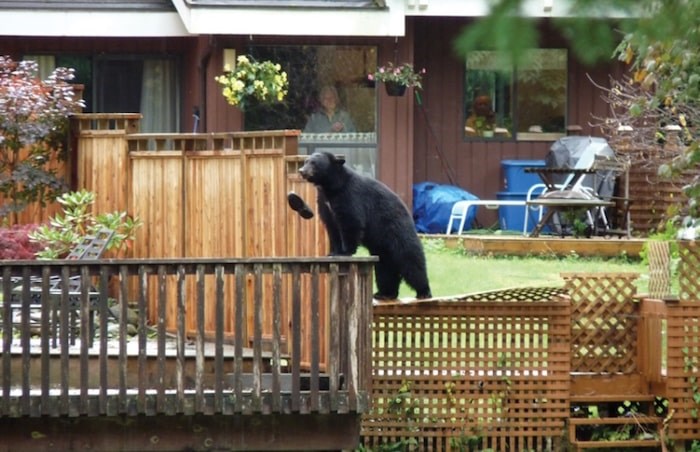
264 82
397 78
394 88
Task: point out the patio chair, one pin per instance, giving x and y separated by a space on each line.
571 187
91 247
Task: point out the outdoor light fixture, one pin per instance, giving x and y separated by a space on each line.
229 58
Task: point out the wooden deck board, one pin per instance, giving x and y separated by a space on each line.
519 245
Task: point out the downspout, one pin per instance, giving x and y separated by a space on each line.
201 116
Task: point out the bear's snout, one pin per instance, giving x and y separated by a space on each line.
305 171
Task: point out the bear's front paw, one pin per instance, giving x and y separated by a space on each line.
297 204
338 253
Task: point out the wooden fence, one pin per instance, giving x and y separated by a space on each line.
461 374
511 370
683 346
204 195
47 374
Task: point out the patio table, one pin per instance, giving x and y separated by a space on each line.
553 205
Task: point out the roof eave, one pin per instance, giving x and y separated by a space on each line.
242 20
91 23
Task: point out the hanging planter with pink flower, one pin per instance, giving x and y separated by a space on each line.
397 78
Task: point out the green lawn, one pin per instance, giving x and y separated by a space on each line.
452 272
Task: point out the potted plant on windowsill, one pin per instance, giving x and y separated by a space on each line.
483 127
397 78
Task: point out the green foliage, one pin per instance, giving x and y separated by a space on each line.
64 231
504 29
33 125
401 445
668 234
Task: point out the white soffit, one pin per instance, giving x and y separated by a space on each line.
240 20
91 23
529 8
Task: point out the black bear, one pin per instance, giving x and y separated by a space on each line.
358 210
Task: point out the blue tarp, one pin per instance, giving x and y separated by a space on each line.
432 205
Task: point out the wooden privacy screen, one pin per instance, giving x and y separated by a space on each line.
206 195
684 346
448 375
683 320
604 322
689 270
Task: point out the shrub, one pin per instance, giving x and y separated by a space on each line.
15 242
33 125
63 232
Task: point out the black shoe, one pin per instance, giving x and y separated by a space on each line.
298 205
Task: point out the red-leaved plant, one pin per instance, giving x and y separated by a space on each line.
15 242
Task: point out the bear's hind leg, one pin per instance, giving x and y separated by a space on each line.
416 276
388 280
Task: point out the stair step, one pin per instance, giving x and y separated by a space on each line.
613 398
632 444
639 419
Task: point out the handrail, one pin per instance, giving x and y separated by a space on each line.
180 360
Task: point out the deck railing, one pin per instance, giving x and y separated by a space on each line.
135 363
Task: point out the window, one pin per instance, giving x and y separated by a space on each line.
319 75
527 102
124 84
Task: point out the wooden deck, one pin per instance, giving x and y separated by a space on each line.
227 354
518 245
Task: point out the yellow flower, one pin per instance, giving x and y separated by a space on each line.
238 85
264 81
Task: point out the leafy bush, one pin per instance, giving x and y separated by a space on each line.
15 242
65 231
33 125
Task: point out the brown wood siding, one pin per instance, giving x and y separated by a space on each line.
396 128
438 135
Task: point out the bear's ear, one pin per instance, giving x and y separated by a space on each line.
339 160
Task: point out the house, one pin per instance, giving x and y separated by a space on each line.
160 57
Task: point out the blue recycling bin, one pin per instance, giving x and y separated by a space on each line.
515 179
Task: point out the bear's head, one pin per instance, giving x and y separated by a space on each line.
322 168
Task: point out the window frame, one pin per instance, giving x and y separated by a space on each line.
513 70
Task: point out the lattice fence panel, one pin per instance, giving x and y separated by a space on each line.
683 369
659 268
689 271
445 372
604 322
